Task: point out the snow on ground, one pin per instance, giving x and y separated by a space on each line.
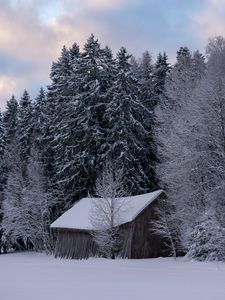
34 276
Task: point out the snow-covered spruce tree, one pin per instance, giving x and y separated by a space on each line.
42 140
39 118
10 125
108 78
173 136
40 133
107 210
2 150
146 80
25 127
10 119
89 113
59 92
85 135
2 136
160 73
2 174
54 108
59 123
149 81
127 131
2 165
65 127
108 73
135 64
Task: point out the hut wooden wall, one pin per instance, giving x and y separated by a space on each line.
126 236
74 244
145 243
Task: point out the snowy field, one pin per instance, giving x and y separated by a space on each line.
33 276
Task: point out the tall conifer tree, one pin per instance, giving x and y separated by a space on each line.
127 143
25 125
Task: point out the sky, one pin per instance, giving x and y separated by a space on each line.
33 32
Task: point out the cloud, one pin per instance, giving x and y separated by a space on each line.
209 21
216 2
103 4
15 83
25 48
32 34
6 83
10 65
9 85
22 35
209 24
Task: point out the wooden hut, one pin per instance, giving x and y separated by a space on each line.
73 229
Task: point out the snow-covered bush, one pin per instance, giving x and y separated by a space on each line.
207 239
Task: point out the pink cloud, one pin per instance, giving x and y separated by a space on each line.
216 2
209 21
103 4
210 24
24 36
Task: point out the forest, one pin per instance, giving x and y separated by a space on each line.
162 123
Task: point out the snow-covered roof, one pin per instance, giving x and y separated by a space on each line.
78 217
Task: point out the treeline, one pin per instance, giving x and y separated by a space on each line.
164 125
98 108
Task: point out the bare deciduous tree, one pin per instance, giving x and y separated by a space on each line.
191 139
27 205
166 227
108 209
